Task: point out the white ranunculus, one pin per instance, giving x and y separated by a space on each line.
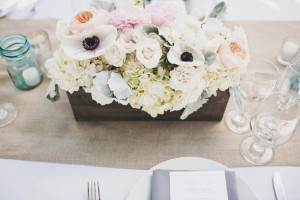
109 86
129 39
234 51
186 29
74 48
148 52
115 55
175 55
189 84
212 25
212 34
186 79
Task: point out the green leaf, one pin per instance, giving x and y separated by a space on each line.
53 92
150 29
153 29
193 107
218 10
140 2
210 57
106 5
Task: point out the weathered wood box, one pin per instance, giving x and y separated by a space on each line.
86 109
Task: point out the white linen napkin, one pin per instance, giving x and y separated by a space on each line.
160 187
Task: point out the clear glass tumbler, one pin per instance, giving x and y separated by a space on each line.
273 125
8 113
289 81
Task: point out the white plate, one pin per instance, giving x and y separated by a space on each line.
7 6
142 189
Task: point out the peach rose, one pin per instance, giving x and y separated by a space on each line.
234 51
88 19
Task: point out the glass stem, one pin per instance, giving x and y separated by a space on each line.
238 101
3 113
257 149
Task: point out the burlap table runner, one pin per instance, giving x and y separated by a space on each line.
45 131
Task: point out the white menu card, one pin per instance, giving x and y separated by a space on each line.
197 185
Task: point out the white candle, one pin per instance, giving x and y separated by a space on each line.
31 76
289 50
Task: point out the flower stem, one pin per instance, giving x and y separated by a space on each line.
139 2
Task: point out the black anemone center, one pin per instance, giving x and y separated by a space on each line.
187 57
91 43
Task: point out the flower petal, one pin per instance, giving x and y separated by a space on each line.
73 47
174 55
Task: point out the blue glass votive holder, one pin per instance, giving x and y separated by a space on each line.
20 62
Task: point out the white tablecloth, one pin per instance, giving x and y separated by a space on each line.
24 180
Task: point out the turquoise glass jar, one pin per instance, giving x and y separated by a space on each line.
20 62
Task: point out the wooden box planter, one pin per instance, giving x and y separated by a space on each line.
86 109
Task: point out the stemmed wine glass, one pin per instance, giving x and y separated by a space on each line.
289 81
258 81
272 125
8 113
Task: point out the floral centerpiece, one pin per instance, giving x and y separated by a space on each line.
155 58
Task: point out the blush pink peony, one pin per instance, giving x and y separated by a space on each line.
130 18
164 13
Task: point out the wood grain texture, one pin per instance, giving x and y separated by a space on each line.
86 109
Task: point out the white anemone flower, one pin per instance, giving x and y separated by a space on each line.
90 43
183 54
109 86
148 52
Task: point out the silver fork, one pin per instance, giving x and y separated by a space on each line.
93 190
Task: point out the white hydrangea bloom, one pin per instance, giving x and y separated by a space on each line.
219 77
69 74
151 92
